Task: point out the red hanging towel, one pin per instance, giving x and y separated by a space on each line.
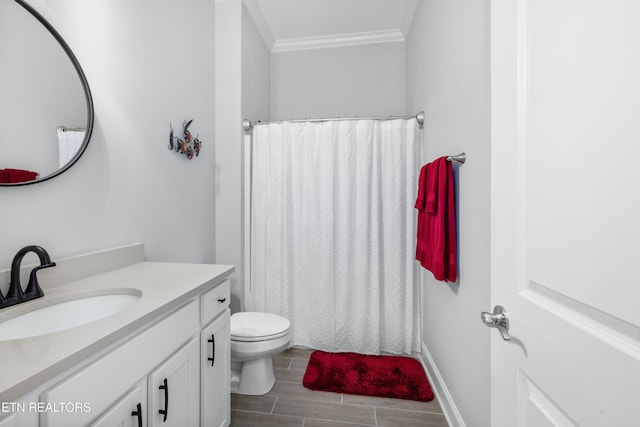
436 235
420 205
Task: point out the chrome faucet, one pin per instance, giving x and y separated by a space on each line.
16 295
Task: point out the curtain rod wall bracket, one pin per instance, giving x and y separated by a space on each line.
247 124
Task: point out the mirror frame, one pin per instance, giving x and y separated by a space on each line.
85 87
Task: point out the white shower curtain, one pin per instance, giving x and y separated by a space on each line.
69 142
333 233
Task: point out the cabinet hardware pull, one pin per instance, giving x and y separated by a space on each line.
213 349
221 300
164 412
138 413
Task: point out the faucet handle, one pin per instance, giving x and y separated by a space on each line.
33 287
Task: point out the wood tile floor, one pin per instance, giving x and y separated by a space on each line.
290 404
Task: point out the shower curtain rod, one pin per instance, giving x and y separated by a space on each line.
247 124
66 129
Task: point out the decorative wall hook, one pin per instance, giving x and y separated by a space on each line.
187 145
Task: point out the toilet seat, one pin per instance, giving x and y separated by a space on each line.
254 326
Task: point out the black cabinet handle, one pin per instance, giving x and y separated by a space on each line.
165 387
221 300
138 413
213 349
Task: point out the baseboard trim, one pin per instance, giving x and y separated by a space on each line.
449 408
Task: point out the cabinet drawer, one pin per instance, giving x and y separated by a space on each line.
215 301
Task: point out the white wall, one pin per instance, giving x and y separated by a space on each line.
256 72
448 77
348 81
228 188
147 68
256 105
242 90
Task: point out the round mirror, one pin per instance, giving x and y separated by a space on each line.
46 109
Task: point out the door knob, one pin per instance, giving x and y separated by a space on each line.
498 319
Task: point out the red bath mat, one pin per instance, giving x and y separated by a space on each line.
383 376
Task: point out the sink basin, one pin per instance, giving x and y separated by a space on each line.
67 314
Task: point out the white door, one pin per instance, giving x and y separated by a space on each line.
565 212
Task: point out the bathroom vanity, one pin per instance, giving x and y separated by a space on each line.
162 360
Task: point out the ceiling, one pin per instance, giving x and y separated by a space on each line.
308 24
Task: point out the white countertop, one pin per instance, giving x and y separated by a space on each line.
29 362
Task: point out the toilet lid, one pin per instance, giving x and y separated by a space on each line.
254 326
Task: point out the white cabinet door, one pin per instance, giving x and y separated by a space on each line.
564 212
130 411
8 421
20 419
174 389
24 414
216 369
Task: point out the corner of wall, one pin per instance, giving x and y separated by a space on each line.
449 408
447 77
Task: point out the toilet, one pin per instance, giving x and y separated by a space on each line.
255 339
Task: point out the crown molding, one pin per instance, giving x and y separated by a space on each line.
255 12
338 40
407 18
